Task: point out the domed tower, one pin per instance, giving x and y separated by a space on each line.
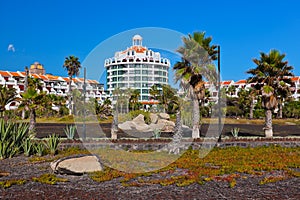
137 40
37 68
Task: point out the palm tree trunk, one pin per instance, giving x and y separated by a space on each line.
70 96
114 126
196 118
268 123
174 146
32 120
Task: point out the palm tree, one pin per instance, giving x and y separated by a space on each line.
154 91
31 101
195 65
204 42
134 103
7 95
72 65
270 73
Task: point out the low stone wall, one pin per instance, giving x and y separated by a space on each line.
152 145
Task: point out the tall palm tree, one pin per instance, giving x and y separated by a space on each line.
197 55
7 95
270 73
72 65
204 42
31 101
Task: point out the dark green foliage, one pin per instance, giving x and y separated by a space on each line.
292 109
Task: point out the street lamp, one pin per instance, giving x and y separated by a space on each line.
219 97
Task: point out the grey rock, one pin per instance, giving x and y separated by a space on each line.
77 165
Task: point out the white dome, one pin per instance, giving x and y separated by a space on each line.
137 37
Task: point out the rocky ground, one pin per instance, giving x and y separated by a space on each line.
83 187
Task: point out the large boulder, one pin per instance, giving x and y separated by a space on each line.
126 126
139 119
156 126
166 122
153 118
168 126
77 165
164 116
137 124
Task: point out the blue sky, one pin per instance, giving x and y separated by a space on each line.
48 31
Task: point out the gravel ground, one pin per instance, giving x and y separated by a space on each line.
82 187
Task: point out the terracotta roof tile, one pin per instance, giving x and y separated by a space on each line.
226 82
296 78
17 74
240 82
5 74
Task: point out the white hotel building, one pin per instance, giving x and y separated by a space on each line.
137 67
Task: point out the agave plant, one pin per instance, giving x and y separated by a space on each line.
12 136
52 143
39 149
70 131
28 147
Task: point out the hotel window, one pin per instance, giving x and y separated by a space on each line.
145 91
144 78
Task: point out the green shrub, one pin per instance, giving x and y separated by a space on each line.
259 113
63 110
52 143
12 136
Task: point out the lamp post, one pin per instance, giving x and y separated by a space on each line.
219 96
84 96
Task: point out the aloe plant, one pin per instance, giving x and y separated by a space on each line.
235 132
12 136
52 143
28 147
39 149
70 131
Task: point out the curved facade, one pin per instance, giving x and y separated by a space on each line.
137 67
